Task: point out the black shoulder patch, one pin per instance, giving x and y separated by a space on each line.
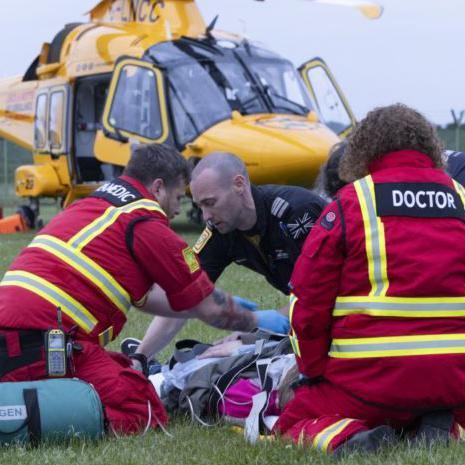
117 192
419 199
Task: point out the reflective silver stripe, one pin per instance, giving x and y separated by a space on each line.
76 260
335 347
375 235
54 295
398 346
401 306
322 440
409 309
108 218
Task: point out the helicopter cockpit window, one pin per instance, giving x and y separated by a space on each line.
241 92
40 125
56 128
135 108
282 84
206 83
197 102
330 105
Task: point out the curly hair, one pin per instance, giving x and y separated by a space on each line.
384 130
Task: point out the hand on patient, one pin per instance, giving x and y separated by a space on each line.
224 349
270 320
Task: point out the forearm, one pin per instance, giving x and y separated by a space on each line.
315 284
220 311
217 310
312 345
159 334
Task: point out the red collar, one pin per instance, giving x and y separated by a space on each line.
139 186
401 158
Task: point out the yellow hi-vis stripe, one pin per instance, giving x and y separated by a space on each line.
114 292
398 346
106 336
92 230
324 438
375 243
292 337
53 294
406 307
460 190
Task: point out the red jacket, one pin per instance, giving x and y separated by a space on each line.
94 260
379 290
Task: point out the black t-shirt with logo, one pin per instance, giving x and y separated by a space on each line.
285 216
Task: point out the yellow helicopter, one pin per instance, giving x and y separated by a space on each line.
153 71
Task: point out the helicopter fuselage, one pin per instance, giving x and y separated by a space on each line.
151 71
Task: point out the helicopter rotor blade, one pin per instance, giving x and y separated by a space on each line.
370 10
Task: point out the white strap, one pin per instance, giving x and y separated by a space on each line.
252 423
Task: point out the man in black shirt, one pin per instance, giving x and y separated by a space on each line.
455 165
260 227
280 221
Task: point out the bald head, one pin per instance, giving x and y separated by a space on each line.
220 186
225 167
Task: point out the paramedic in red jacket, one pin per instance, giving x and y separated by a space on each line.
378 299
93 261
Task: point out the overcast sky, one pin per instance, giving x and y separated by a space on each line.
413 54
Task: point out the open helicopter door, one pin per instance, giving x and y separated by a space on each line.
49 174
330 102
51 131
135 110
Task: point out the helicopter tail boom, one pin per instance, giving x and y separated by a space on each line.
16 111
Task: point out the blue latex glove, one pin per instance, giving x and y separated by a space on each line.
246 303
272 320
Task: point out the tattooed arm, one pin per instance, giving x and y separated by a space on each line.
220 311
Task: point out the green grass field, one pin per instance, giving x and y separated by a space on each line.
192 444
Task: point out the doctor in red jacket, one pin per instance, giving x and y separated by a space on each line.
378 293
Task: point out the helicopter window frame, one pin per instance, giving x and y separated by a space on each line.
43 120
277 95
319 63
159 93
176 101
57 149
